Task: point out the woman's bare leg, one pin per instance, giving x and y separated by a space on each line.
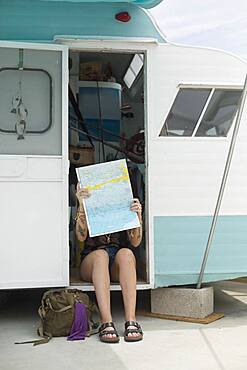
95 268
124 271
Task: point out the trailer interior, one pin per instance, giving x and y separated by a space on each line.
106 123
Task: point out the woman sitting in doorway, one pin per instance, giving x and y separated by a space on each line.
105 258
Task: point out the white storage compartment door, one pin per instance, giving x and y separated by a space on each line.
34 249
192 101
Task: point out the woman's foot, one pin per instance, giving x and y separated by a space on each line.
133 331
108 333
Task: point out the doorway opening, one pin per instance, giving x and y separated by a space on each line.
107 123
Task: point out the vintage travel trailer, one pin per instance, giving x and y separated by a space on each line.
85 82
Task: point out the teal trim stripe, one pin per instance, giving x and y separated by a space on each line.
34 20
180 279
180 241
142 3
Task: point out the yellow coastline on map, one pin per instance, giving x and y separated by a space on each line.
124 177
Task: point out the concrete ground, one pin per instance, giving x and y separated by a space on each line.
170 345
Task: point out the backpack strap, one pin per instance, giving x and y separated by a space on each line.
36 342
46 337
93 326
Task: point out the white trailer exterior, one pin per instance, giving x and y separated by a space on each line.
184 173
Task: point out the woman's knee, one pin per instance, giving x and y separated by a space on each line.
94 260
100 256
125 256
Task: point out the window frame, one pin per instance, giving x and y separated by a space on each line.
213 87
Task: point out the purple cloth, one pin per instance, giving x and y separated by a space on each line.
80 323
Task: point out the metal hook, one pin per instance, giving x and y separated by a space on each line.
21 58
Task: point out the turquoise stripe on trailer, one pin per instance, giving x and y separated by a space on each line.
37 20
180 241
142 3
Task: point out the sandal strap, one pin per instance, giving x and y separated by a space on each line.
103 329
132 323
105 325
108 332
131 330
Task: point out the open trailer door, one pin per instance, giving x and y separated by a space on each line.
193 99
34 249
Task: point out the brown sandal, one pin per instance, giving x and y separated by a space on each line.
103 332
137 330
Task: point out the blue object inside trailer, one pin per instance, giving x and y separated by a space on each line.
100 105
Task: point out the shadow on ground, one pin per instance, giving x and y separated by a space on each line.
230 298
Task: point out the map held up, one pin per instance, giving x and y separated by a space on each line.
108 207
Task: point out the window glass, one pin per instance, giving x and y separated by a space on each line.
133 70
219 114
129 78
185 112
136 64
30 102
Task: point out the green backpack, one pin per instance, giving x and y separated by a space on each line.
57 311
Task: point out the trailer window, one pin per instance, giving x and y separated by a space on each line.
133 70
202 112
185 112
219 115
31 83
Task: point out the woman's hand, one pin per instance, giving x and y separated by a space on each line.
135 235
136 207
82 193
